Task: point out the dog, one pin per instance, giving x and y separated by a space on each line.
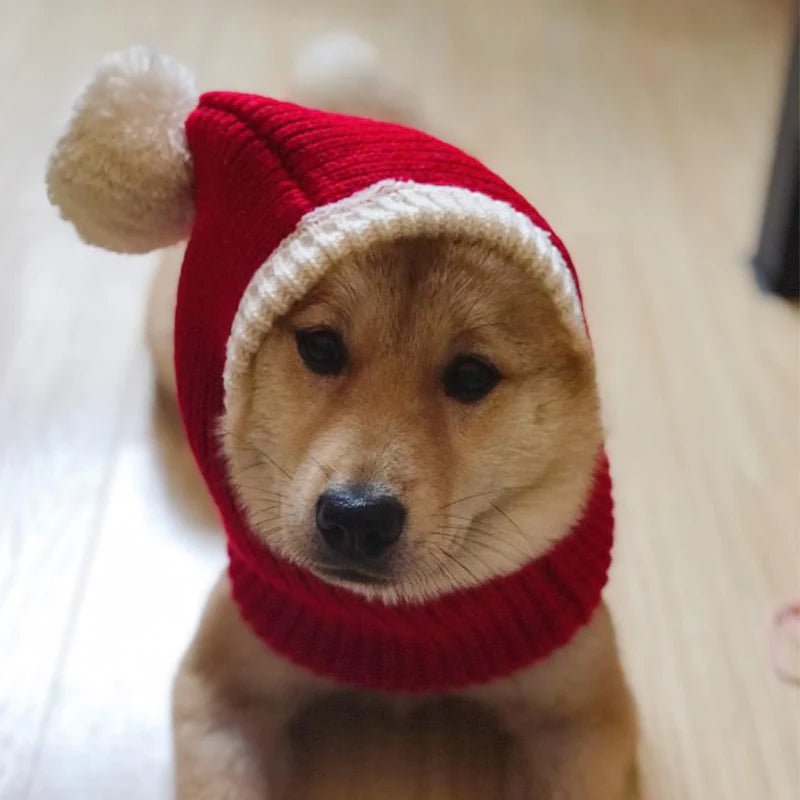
416 426
399 310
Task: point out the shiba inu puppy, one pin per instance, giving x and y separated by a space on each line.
385 376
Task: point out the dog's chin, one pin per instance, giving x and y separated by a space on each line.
390 584
350 575
381 586
390 587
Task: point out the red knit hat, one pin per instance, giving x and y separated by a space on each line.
279 193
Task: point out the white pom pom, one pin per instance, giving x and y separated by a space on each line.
341 72
122 172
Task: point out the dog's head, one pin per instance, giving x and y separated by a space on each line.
423 420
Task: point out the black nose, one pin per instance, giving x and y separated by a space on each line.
359 522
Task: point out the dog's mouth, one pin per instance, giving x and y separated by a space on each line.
350 574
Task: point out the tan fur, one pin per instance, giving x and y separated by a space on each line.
487 486
405 310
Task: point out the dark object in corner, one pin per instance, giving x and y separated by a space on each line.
776 261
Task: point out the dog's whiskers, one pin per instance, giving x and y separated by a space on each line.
441 567
326 470
265 494
497 490
470 524
459 564
485 539
502 511
261 452
470 551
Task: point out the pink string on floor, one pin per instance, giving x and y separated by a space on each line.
786 643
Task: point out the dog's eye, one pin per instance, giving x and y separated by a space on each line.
322 350
469 378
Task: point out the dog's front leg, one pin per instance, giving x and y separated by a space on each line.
232 702
571 720
573 759
228 747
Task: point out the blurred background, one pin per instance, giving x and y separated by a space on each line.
644 130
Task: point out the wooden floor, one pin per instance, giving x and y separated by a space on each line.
643 131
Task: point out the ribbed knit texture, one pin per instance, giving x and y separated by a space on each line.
260 166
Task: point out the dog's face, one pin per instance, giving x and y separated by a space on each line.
423 420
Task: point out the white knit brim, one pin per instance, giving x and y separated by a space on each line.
384 211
